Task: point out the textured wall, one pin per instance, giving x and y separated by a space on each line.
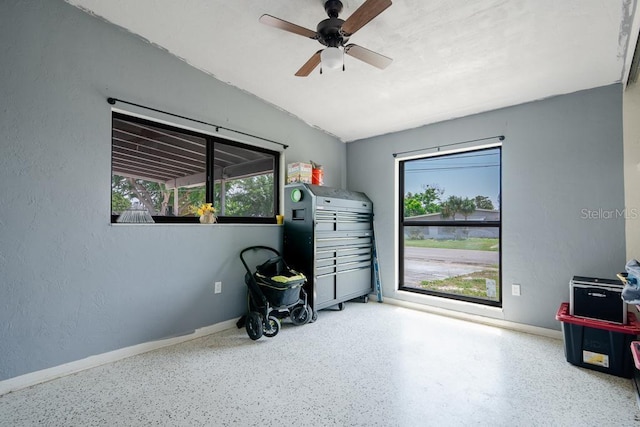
71 284
561 156
632 168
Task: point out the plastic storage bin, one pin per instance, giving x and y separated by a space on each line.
601 346
635 351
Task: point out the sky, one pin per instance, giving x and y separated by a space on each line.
468 174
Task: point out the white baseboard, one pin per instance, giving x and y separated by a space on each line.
44 375
520 327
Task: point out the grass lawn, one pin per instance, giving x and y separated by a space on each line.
474 243
472 284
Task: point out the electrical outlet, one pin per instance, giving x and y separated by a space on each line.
217 287
515 289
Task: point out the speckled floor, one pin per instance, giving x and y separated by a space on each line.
369 365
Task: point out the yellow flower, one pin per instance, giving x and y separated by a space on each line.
203 209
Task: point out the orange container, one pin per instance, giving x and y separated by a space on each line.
317 176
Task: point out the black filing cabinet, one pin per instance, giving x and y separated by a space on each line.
328 236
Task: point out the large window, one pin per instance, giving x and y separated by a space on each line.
450 226
166 172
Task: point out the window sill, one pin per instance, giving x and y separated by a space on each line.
443 304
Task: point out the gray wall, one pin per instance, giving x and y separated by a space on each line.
71 284
631 108
560 156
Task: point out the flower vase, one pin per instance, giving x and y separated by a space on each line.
207 218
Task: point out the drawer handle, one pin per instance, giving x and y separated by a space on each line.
595 294
329 239
364 249
319 276
354 269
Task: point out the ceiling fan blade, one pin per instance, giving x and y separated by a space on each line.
310 65
368 56
365 13
272 21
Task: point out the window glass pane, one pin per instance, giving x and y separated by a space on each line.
463 186
244 181
450 226
156 198
159 169
189 198
453 260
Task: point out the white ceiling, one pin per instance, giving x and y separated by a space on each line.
451 58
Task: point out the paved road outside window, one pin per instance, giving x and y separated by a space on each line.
435 263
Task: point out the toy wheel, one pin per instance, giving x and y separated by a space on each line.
301 314
253 325
340 306
272 327
365 299
314 316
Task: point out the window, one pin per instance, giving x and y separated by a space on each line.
450 226
165 171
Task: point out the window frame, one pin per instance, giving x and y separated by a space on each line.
402 223
210 144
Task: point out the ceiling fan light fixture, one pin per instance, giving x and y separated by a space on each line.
334 33
331 58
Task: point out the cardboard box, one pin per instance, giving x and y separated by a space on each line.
299 172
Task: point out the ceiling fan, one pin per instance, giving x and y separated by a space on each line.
334 34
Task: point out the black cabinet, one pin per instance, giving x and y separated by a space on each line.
328 236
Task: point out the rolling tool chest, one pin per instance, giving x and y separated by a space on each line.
328 236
